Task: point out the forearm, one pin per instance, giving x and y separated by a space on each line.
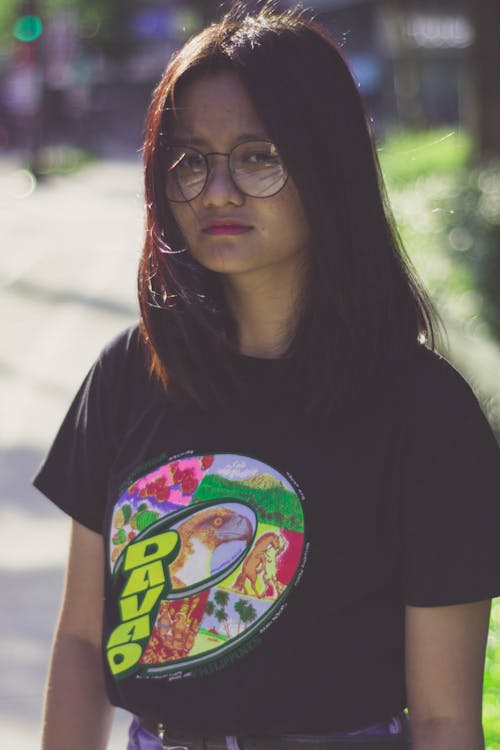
446 734
77 711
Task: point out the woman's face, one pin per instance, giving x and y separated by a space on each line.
214 113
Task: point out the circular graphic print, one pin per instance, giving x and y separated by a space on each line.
202 552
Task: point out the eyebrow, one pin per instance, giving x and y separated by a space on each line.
186 140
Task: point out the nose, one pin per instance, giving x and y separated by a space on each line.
220 188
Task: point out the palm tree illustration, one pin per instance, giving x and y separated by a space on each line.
246 612
239 608
222 598
221 616
249 614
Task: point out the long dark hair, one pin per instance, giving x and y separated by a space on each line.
363 309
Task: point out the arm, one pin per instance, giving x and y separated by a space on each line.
445 653
77 712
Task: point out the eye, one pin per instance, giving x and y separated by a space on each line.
258 155
185 161
191 162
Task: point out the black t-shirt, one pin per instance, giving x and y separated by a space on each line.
257 564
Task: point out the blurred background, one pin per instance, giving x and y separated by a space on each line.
75 80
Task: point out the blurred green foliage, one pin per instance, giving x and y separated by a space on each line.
422 196
491 695
61 160
474 236
406 155
448 215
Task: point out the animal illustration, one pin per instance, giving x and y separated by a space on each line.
200 535
261 564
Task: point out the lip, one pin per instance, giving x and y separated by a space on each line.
226 229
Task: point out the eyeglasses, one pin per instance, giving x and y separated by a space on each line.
255 168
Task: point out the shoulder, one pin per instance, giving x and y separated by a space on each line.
434 383
441 406
122 368
125 346
433 370
124 357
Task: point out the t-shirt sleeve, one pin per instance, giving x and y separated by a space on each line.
450 510
75 472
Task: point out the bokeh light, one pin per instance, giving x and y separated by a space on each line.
21 184
27 28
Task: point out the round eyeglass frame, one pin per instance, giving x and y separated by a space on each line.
208 170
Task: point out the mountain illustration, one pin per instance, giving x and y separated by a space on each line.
263 482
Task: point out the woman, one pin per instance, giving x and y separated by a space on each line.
284 503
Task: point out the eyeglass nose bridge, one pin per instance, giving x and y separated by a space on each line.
210 170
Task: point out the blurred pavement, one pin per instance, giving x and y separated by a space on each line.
69 250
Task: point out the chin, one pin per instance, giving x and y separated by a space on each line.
226 260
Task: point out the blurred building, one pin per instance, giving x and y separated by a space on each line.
410 57
94 78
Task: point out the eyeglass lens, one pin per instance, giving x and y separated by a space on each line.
255 167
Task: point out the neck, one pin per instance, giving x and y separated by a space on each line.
265 311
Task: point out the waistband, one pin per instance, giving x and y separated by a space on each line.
338 741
